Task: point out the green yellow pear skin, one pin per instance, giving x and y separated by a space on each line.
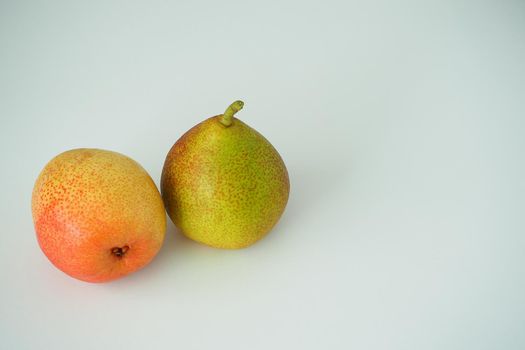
223 184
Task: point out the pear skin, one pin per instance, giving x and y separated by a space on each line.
98 214
223 183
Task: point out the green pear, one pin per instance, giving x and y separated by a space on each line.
223 184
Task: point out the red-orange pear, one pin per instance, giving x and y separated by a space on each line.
98 215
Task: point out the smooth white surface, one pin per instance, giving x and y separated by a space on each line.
402 126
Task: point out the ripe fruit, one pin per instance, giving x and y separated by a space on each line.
97 214
223 183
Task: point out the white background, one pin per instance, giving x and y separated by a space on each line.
402 126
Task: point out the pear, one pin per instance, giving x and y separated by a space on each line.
223 184
98 215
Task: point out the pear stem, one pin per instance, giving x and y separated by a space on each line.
226 119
